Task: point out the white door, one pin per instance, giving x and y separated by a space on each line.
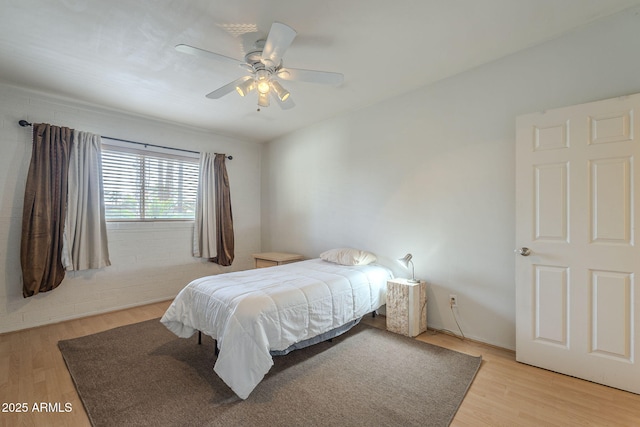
577 301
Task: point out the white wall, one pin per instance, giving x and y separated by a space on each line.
150 261
432 172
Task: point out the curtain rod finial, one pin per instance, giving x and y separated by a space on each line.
24 123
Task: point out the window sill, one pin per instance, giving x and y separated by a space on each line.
148 225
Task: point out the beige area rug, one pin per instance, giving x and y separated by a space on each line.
143 375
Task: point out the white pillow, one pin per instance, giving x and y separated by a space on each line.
348 256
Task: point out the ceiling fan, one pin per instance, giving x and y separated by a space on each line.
265 68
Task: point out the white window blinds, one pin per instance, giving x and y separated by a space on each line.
148 186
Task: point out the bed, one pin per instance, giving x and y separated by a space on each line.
255 314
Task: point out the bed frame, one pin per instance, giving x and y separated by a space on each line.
327 336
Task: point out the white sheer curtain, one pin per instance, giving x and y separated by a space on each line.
85 238
204 233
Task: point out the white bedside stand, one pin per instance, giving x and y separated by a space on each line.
406 307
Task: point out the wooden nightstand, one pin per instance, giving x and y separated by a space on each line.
406 307
270 259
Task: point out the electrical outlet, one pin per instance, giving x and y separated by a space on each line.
453 300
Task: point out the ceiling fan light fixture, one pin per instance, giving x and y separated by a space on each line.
263 86
282 93
263 99
245 87
262 81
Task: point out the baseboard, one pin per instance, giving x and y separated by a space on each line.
88 316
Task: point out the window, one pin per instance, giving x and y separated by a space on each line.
144 185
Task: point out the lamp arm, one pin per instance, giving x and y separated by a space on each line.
413 273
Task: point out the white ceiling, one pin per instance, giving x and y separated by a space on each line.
120 53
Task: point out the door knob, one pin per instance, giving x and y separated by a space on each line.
523 251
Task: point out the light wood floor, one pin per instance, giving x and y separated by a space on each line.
504 393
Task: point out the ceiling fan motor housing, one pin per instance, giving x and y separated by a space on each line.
255 61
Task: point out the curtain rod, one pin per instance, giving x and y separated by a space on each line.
25 123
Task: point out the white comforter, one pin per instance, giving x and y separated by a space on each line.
252 312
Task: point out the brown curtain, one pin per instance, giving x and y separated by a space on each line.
45 202
224 217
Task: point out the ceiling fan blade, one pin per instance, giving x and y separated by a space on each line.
185 48
278 41
230 87
311 76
